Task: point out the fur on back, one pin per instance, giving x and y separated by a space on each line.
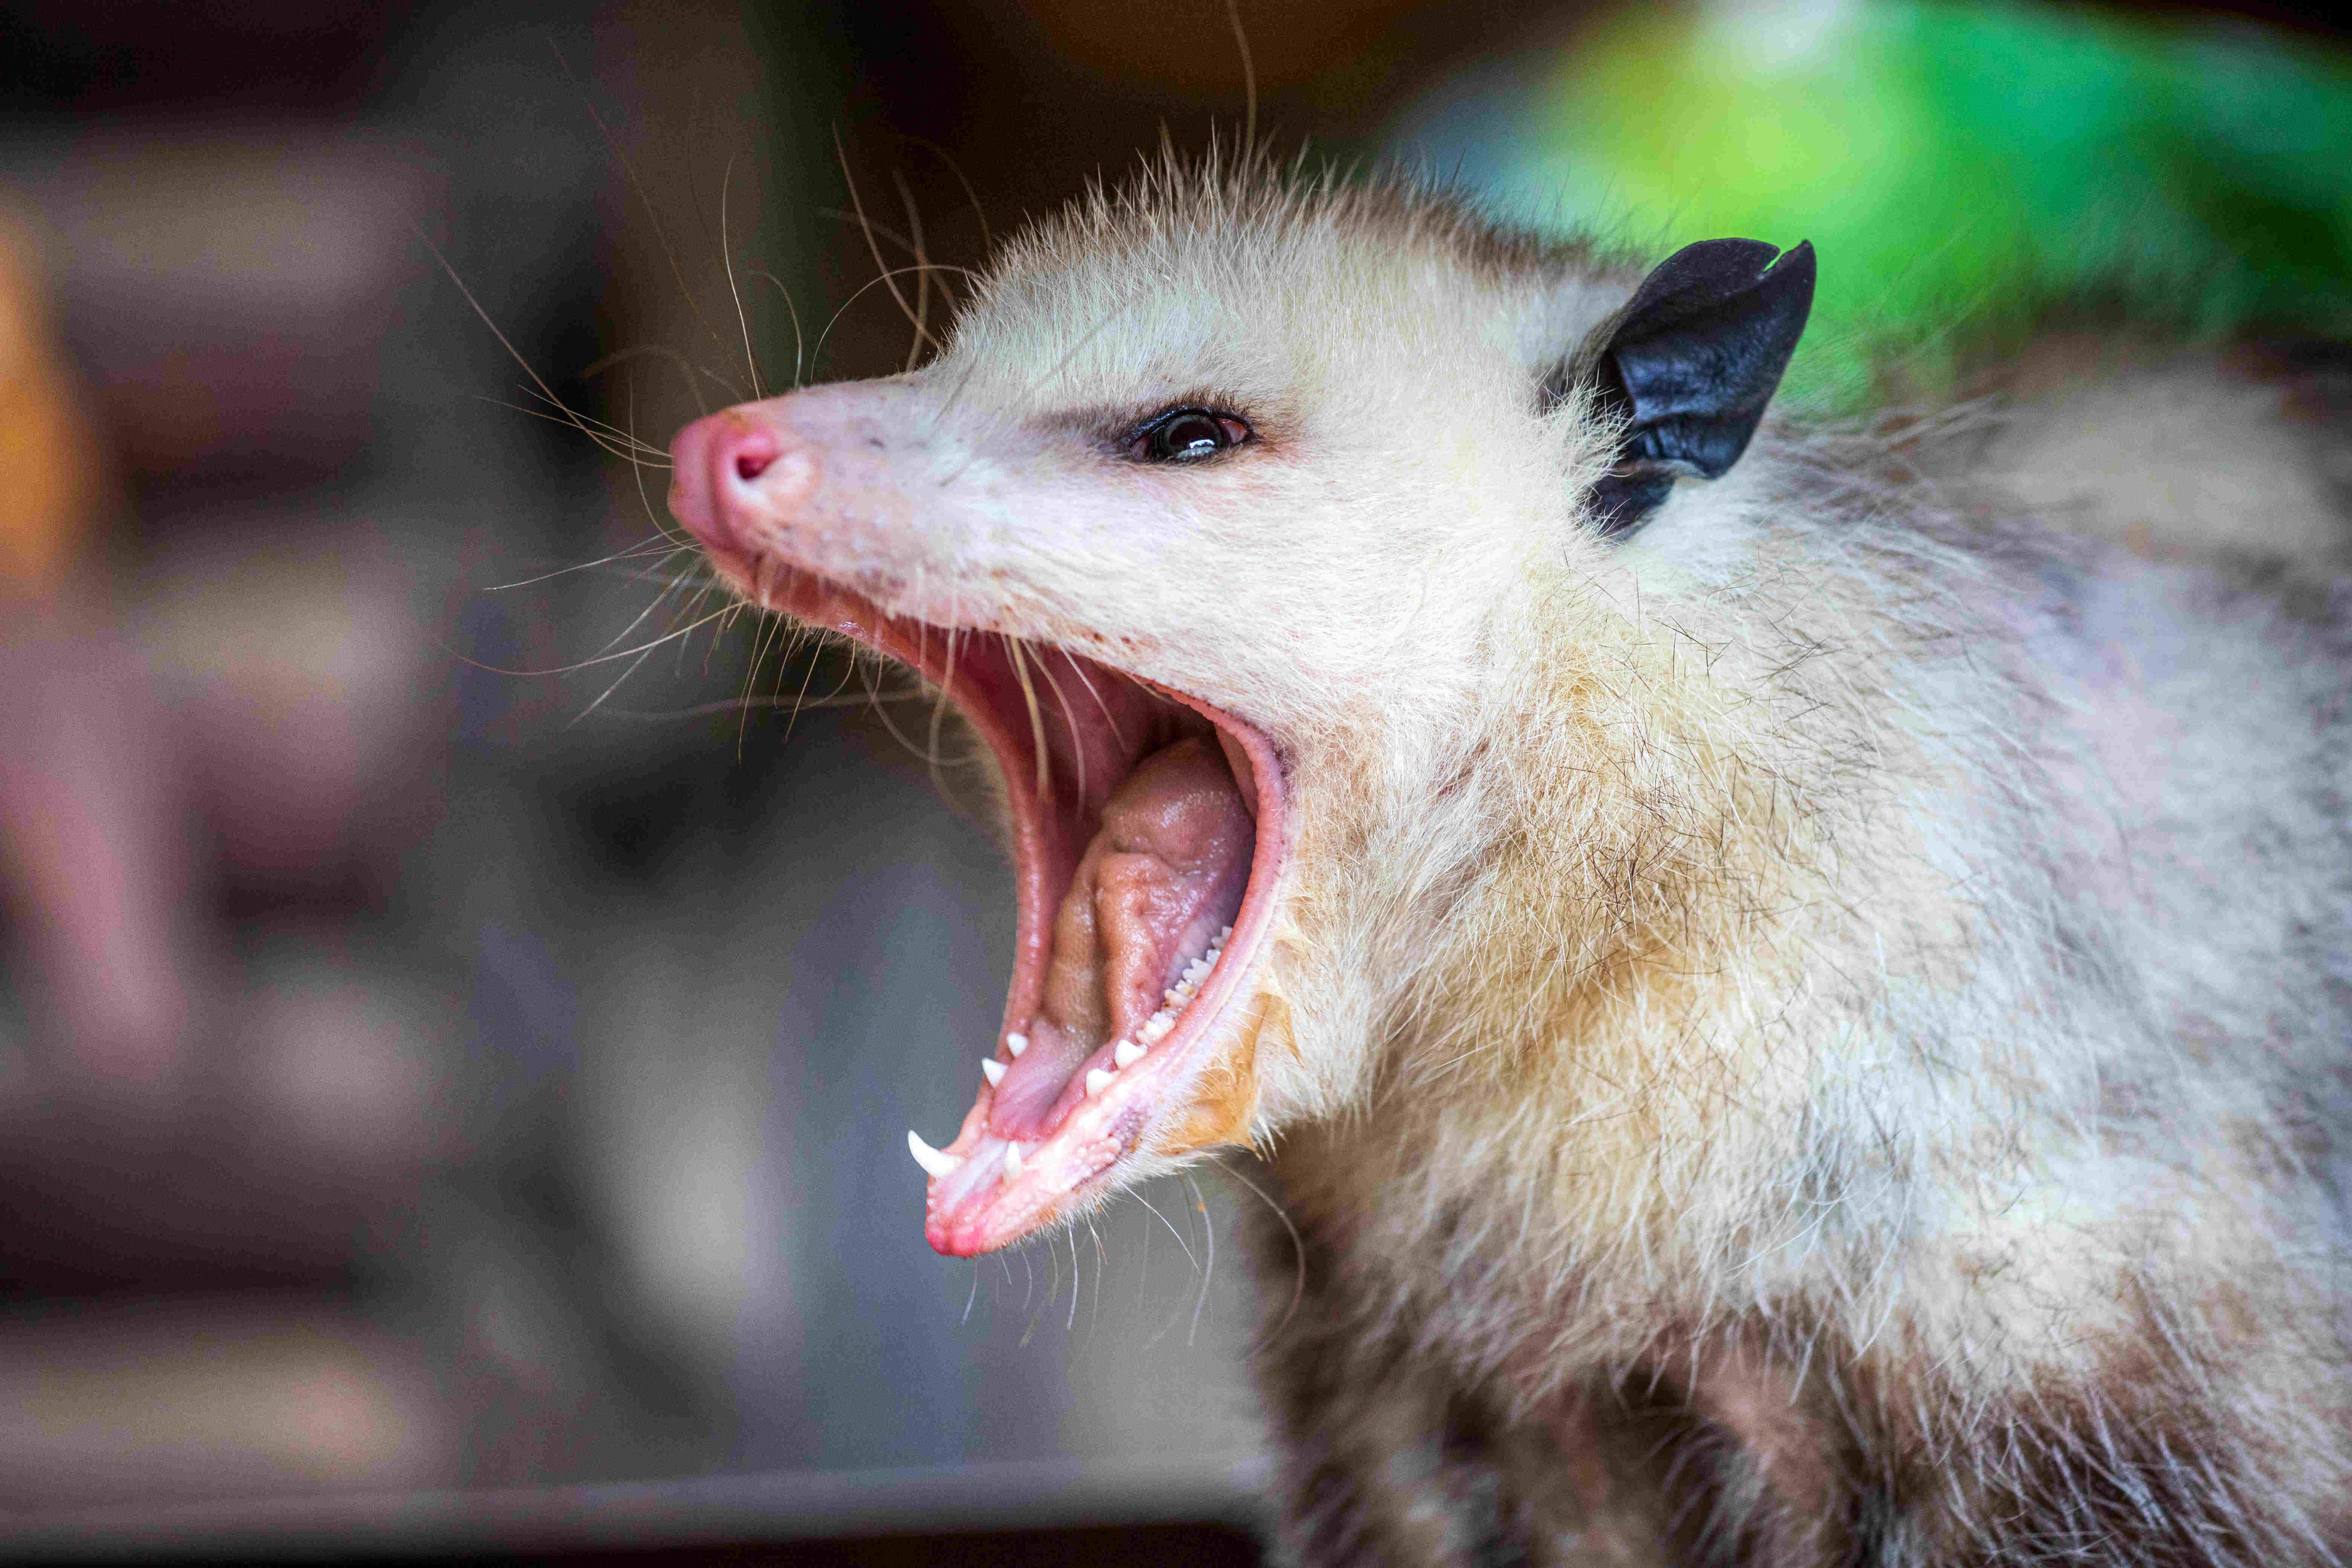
1817 1033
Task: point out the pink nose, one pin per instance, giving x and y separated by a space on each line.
731 478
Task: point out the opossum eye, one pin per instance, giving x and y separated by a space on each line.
1188 434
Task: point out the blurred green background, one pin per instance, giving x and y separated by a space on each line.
1966 172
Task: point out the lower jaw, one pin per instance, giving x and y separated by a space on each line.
1152 1111
1003 1178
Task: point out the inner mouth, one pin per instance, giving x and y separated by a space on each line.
1142 921
1146 828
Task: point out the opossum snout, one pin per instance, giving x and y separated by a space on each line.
727 476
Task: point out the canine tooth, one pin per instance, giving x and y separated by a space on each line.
1127 1053
1011 1161
931 1160
1096 1079
991 1069
1016 1044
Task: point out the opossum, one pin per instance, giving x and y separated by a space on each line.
1800 1015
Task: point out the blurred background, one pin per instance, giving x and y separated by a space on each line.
457 1036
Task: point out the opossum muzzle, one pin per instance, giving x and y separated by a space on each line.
1147 829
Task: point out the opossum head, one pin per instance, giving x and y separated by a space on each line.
1214 518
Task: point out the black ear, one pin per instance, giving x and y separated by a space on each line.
1689 364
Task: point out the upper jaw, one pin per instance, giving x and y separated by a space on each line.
747 486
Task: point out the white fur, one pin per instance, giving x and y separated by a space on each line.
1840 919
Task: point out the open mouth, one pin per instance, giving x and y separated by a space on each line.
1148 829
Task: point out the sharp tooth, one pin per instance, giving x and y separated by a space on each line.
1012 1162
991 1069
930 1159
1016 1044
1127 1053
1095 1079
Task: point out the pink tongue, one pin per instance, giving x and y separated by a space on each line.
1164 874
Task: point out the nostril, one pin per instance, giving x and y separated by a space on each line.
752 453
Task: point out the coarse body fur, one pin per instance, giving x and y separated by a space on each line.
1876 1091
1814 1033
